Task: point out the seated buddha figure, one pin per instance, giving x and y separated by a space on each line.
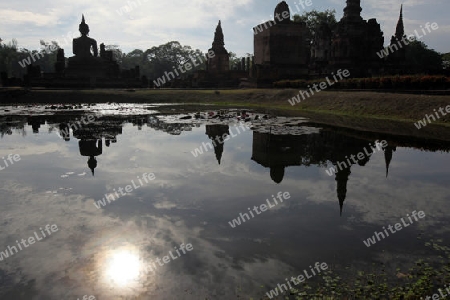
83 45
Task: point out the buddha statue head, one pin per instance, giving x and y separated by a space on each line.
83 28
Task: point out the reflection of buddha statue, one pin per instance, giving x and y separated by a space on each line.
277 173
91 148
82 45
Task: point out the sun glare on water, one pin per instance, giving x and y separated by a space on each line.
123 267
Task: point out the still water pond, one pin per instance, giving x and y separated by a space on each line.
139 213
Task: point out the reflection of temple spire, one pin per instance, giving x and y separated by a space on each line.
217 134
218 150
342 179
388 151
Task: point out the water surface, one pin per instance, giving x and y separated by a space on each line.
108 251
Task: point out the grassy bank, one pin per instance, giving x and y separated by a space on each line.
381 112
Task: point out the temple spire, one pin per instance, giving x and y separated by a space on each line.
218 36
400 29
282 9
353 10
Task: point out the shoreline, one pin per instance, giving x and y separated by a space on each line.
376 112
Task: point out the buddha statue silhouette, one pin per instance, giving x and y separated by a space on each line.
83 45
86 62
91 147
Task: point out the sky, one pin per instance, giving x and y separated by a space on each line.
148 23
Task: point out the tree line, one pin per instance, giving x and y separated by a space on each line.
155 61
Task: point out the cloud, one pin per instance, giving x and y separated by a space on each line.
150 23
27 18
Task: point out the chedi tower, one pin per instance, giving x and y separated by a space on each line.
355 43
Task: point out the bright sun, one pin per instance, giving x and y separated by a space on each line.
123 268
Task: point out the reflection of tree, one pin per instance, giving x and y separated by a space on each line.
5 130
64 131
171 128
8 124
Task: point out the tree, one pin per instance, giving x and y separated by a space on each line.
446 60
117 53
234 60
421 59
314 19
132 59
47 55
10 56
170 56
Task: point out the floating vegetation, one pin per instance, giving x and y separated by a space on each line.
422 279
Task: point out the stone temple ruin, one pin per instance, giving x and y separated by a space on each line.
86 68
218 72
282 50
